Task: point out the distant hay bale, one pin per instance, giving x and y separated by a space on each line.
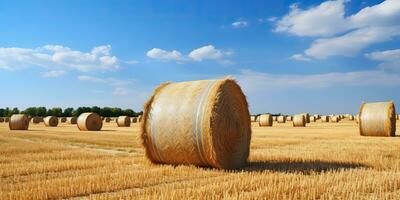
317 117
63 119
306 117
377 119
281 119
19 122
1 120
312 119
351 118
324 118
89 122
253 118
107 119
299 120
209 127
37 120
6 119
289 118
72 120
334 119
274 118
265 120
50 121
134 119
123 121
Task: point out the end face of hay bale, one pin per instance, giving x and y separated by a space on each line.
19 122
124 121
281 119
377 119
335 119
324 118
299 120
6 119
89 122
313 119
289 118
50 121
134 119
107 119
1 120
37 120
265 120
63 119
211 124
72 120
306 117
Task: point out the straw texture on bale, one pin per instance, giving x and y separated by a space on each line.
334 119
19 122
306 117
281 119
289 118
37 120
63 119
50 121
89 122
265 120
72 120
1 119
324 118
210 125
377 119
123 121
299 120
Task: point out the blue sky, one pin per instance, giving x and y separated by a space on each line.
288 56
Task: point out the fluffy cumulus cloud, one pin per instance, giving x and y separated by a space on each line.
239 24
161 54
338 34
58 57
390 59
208 52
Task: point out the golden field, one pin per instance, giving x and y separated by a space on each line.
320 161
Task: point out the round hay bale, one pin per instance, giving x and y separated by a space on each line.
89 122
134 119
289 118
324 118
37 120
274 118
334 119
50 121
299 120
6 119
210 125
258 118
306 116
124 121
107 119
377 119
351 118
317 117
312 119
19 122
253 118
281 119
72 120
1 120
63 119
265 120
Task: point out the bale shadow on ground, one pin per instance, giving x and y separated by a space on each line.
304 167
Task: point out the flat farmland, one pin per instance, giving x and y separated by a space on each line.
320 161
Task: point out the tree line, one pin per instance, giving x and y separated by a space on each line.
69 112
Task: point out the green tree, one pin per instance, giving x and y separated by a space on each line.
41 111
96 109
2 112
68 112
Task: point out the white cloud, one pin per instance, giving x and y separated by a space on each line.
300 57
91 79
352 43
338 34
209 52
161 54
390 59
239 24
119 91
53 73
58 57
253 81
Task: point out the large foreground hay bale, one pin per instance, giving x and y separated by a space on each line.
210 126
377 119
281 119
72 120
124 121
89 122
37 120
19 122
334 119
324 118
50 121
299 120
306 117
265 120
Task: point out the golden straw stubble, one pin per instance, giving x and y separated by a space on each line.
210 124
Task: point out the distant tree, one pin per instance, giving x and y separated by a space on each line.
2 112
129 112
96 109
68 112
57 112
13 111
31 111
116 112
41 111
106 112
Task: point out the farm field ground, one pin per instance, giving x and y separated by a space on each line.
320 161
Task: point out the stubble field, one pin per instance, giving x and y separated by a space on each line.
321 161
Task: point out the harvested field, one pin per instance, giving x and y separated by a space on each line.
285 163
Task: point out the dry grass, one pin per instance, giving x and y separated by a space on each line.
320 161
